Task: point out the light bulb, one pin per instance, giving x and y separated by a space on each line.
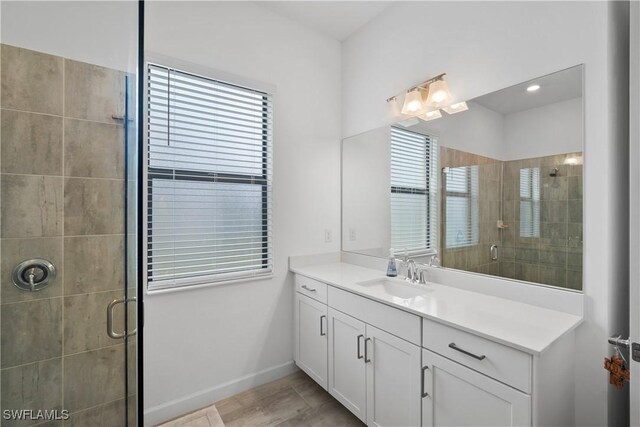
456 108
413 103
533 88
431 115
439 94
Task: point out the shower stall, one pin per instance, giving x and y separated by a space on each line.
68 227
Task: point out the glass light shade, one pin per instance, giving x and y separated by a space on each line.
456 108
439 94
431 115
413 103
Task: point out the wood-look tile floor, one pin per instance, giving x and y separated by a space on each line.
295 400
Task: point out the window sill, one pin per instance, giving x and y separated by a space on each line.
194 286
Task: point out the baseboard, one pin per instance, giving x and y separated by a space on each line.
184 405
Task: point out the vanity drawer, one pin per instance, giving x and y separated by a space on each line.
505 364
312 288
395 321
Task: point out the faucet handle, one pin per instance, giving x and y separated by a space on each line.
422 276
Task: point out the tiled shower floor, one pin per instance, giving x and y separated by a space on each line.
295 400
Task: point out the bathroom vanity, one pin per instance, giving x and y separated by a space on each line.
395 353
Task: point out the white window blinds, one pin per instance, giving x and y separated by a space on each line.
530 202
209 180
414 191
461 206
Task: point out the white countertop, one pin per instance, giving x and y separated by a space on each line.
522 326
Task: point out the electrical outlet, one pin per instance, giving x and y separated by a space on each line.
328 236
352 234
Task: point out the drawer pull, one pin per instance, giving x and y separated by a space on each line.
359 352
322 333
422 392
475 356
309 289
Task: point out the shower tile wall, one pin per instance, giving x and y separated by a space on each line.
475 258
61 198
554 257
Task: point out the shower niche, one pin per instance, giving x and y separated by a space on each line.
496 189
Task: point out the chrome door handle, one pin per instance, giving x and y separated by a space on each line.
366 351
113 334
468 353
422 392
358 339
322 333
309 289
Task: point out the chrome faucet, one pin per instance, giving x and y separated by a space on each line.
412 272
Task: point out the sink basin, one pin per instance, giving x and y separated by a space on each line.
395 288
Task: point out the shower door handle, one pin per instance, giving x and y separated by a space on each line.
494 252
113 334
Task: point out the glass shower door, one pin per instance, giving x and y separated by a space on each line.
67 202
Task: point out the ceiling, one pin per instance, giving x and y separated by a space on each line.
556 87
336 19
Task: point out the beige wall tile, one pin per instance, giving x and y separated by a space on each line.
31 331
31 81
31 206
109 415
93 149
93 264
93 206
33 386
31 143
14 251
85 321
93 92
93 377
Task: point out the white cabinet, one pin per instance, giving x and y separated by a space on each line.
347 370
454 395
393 380
374 374
311 338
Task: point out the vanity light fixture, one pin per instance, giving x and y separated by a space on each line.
414 102
431 115
456 108
533 88
432 93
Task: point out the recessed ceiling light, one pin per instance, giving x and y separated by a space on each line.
533 88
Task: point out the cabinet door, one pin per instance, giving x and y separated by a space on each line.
347 373
393 380
458 396
311 338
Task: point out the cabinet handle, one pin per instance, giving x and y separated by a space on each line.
359 353
468 353
422 392
366 351
322 333
307 288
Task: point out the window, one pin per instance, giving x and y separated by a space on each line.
461 206
530 202
209 180
414 190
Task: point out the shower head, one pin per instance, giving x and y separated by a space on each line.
554 172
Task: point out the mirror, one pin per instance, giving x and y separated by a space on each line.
495 189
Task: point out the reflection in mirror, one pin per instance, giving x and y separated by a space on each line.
495 189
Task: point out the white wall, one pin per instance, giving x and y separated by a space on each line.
485 46
366 199
98 32
199 344
544 131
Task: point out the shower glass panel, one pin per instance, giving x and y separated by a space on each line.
68 177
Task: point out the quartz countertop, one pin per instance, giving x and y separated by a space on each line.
522 326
